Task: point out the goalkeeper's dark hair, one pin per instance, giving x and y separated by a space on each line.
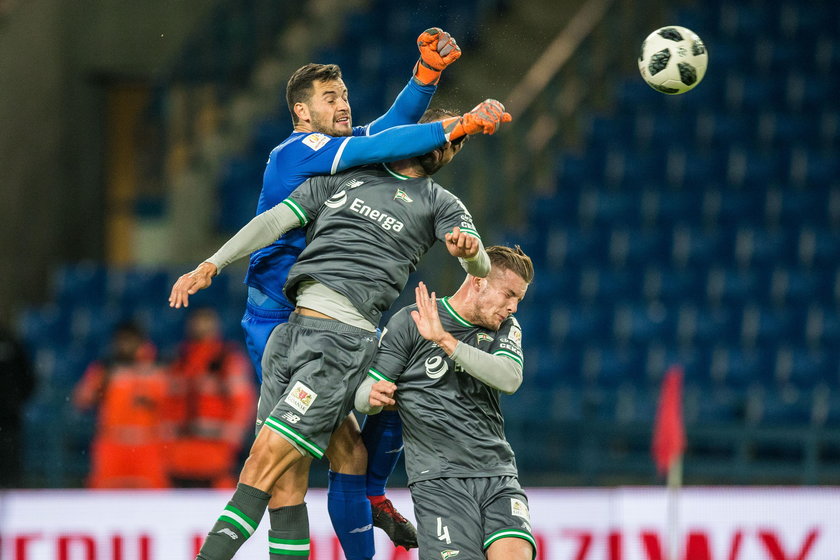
433 114
513 259
300 89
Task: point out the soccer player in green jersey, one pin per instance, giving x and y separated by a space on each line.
444 363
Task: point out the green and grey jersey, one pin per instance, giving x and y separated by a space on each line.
367 230
452 422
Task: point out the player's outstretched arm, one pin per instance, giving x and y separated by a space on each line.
407 141
438 49
261 231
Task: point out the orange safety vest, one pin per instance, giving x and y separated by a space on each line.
210 409
126 451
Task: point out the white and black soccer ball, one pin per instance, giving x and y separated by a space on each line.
673 60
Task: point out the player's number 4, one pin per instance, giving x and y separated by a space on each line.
443 531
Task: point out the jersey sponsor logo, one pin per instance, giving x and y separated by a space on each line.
483 337
401 195
316 141
291 418
301 397
510 347
519 509
337 200
384 220
447 554
515 335
233 536
436 367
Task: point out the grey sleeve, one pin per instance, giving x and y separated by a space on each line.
478 265
362 402
499 372
263 230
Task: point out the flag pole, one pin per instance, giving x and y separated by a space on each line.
668 447
675 474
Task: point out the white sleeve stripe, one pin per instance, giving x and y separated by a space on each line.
338 155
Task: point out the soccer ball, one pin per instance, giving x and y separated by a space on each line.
673 60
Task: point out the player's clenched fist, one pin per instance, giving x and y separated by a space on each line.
485 118
438 49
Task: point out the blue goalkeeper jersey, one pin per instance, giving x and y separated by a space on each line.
307 154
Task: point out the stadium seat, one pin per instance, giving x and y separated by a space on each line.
786 406
805 368
83 281
637 324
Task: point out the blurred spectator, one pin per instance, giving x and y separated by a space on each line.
18 383
212 405
130 391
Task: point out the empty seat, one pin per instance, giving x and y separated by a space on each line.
642 324
805 368
788 407
612 366
576 324
83 281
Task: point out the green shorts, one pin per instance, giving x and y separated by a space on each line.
311 369
460 518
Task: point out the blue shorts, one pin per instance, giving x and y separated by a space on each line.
258 322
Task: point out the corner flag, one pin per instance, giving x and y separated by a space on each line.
669 432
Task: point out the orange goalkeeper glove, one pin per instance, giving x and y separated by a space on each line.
438 50
485 118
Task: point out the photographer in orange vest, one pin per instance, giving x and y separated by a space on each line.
211 406
129 390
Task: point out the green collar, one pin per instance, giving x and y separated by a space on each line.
395 174
458 319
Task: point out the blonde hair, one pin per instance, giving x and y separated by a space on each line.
513 259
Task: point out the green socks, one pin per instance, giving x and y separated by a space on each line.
288 538
237 522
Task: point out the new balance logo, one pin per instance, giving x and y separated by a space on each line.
291 418
233 536
364 529
353 183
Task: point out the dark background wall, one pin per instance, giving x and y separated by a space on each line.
58 61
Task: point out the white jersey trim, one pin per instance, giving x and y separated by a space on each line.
338 156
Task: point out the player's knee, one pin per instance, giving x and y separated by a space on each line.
270 456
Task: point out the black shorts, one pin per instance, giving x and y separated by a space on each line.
461 517
311 369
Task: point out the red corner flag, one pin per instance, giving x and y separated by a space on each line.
668 432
